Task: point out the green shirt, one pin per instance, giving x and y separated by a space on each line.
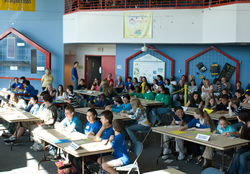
149 95
166 99
140 95
101 89
158 96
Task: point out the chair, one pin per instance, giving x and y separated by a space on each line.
231 153
176 103
211 170
152 120
136 148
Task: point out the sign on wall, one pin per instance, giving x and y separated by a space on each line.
18 5
137 25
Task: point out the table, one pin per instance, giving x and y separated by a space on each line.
147 103
87 146
219 142
245 105
166 171
9 91
88 92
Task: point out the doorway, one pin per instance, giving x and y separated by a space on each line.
68 65
92 64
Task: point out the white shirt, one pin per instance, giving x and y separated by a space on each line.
21 104
174 83
209 88
63 96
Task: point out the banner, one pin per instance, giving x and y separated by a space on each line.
137 25
18 5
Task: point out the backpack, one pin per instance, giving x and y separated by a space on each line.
214 69
201 67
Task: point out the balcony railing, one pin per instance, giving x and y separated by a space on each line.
83 5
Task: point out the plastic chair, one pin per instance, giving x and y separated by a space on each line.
211 170
231 153
136 148
176 103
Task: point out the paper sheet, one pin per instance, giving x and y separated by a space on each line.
177 132
190 137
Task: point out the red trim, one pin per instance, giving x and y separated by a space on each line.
29 41
19 78
126 70
221 52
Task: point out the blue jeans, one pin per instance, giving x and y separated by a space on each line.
240 161
130 130
75 84
237 126
159 111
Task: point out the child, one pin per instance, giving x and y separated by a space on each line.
180 94
33 106
201 122
168 85
224 92
210 103
166 108
117 104
92 126
234 106
160 79
103 83
60 94
102 103
247 97
138 112
148 95
195 100
72 98
158 95
82 85
206 89
223 126
155 86
28 88
137 92
134 84
128 84
192 87
181 119
238 87
222 108
16 84
238 95
126 106
120 155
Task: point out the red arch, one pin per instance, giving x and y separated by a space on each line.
139 52
216 49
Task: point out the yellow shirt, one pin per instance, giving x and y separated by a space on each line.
47 80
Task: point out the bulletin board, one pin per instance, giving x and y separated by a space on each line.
148 66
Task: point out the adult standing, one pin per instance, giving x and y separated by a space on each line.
47 79
74 75
110 80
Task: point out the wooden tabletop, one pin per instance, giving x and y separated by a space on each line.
88 92
145 102
245 105
219 142
87 146
165 171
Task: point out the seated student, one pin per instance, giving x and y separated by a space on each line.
238 95
201 122
238 87
206 89
95 87
224 92
72 98
28 88
148 94
102 103
117 104
240 164
155 86
109 92
216 87
137 92
33 105
234 106
173 82
134 84
144 80
82 85
223 127
222 108
120 155
195 100
128 84
138 113
119 84
166 108
22 79
50 90
168 85
181 119
60 94
126 106
247 97
92 126
103 83
180 94
160 79
158 95
210 102
16 84
192 87
16 102
48 115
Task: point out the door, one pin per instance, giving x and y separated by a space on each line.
68 65
108 66
92 64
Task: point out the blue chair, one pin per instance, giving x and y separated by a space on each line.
211 170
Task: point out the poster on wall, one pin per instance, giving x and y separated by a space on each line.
148 66
137 25
18 5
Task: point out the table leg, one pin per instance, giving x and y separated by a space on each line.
223 160
101 164
44 157
83 165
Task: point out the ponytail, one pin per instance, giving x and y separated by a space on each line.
244 116
208 119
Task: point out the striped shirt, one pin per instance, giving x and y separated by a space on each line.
237 110
141 118
73 98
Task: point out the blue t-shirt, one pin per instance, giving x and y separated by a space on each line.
120 149
128 85
74 122
34 109
14 85
31 90
100 103
74 72
106 133
196 123
119 108
92 127
185 118
160 82
227 129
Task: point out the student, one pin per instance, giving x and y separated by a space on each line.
51 90
183 78
148 94
140 80
195 100
207 90
238 95
158 95
102 103
222 108
137 93
96 85
16 84
225 84
247 97
117 104
134 84
16 102
74 75
60 94
201 84
103 83
234 106
168 85
180 94
166 108
28 88
72 98
126 106
120 155
192 87
155 86
224 92
180 119
109 79
82 85
223 127
110 92
238 87
92 126
33 105
144 80
216 87
240 164
202 122
119 84
22 80
172 81
210 102
160 79
128 84
138 113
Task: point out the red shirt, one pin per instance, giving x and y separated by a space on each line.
110 80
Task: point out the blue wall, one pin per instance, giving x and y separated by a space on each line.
182 52
45 27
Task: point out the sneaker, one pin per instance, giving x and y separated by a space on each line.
39 147
181 156
6 135
33 146
166 153
11 139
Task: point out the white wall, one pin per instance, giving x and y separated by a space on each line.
224 24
